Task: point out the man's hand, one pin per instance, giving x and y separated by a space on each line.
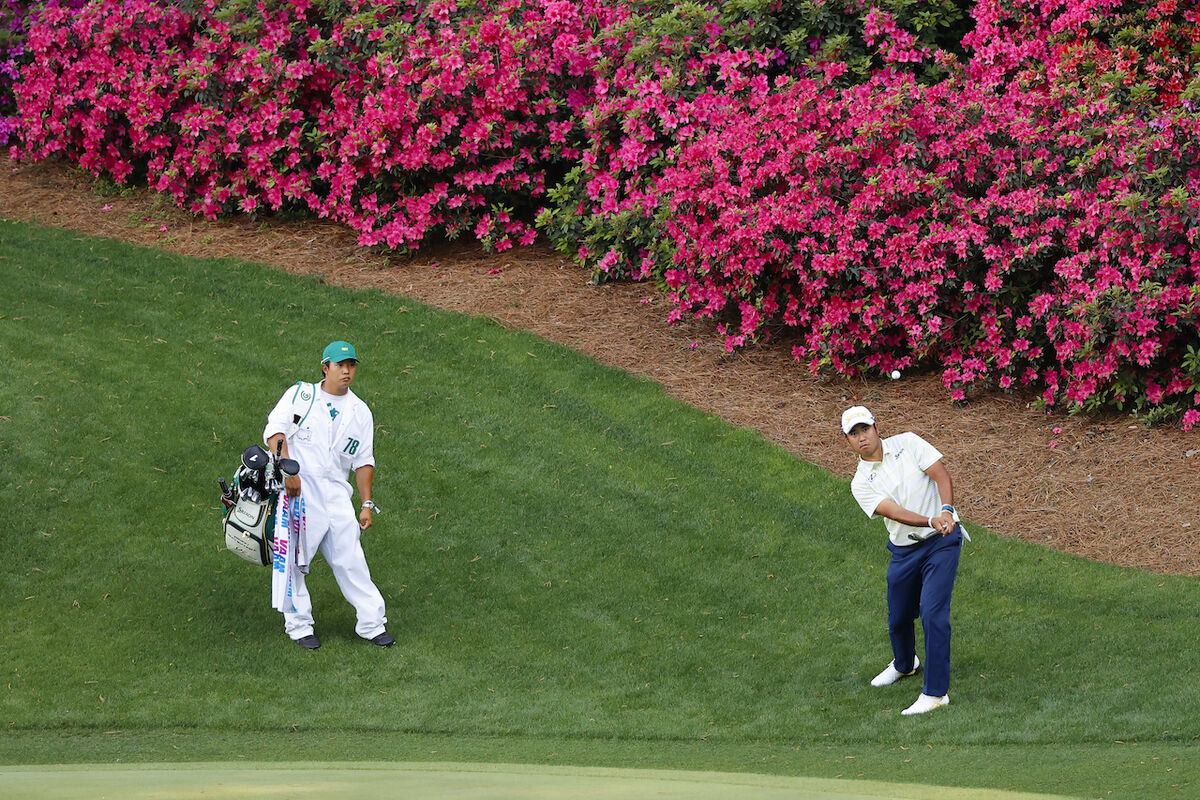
292 484
364 518
945 523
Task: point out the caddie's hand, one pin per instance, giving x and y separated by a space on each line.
364 519
292 484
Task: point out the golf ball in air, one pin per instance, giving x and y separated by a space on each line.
895 374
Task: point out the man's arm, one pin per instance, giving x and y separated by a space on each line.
364 476
937 471
292 482
892 510
276 429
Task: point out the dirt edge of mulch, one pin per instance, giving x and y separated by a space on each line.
1106 488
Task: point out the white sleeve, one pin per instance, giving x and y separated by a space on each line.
365 454
926 454
867 496
280 418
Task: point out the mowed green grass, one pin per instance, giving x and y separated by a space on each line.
449 781
578 569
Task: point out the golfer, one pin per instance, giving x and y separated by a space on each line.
903 480
331 432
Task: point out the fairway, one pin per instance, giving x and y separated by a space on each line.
449 782
581 573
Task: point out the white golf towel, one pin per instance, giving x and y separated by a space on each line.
966 535
288 544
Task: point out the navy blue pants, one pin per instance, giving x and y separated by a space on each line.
920 579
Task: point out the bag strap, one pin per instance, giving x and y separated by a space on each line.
298 420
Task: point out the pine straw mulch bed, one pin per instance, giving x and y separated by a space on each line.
1109 490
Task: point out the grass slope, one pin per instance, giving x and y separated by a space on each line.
571 560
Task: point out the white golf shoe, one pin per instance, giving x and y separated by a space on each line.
926 702
890 674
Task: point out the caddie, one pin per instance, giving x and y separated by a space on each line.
330 432
902 479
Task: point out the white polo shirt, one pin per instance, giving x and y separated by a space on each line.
901 477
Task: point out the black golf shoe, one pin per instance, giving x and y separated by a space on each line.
384 639
309 642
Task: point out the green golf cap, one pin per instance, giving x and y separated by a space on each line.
337 352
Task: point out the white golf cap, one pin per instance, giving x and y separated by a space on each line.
856 415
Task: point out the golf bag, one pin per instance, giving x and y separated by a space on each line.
250 503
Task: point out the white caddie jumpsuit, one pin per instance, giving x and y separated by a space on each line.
331 524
